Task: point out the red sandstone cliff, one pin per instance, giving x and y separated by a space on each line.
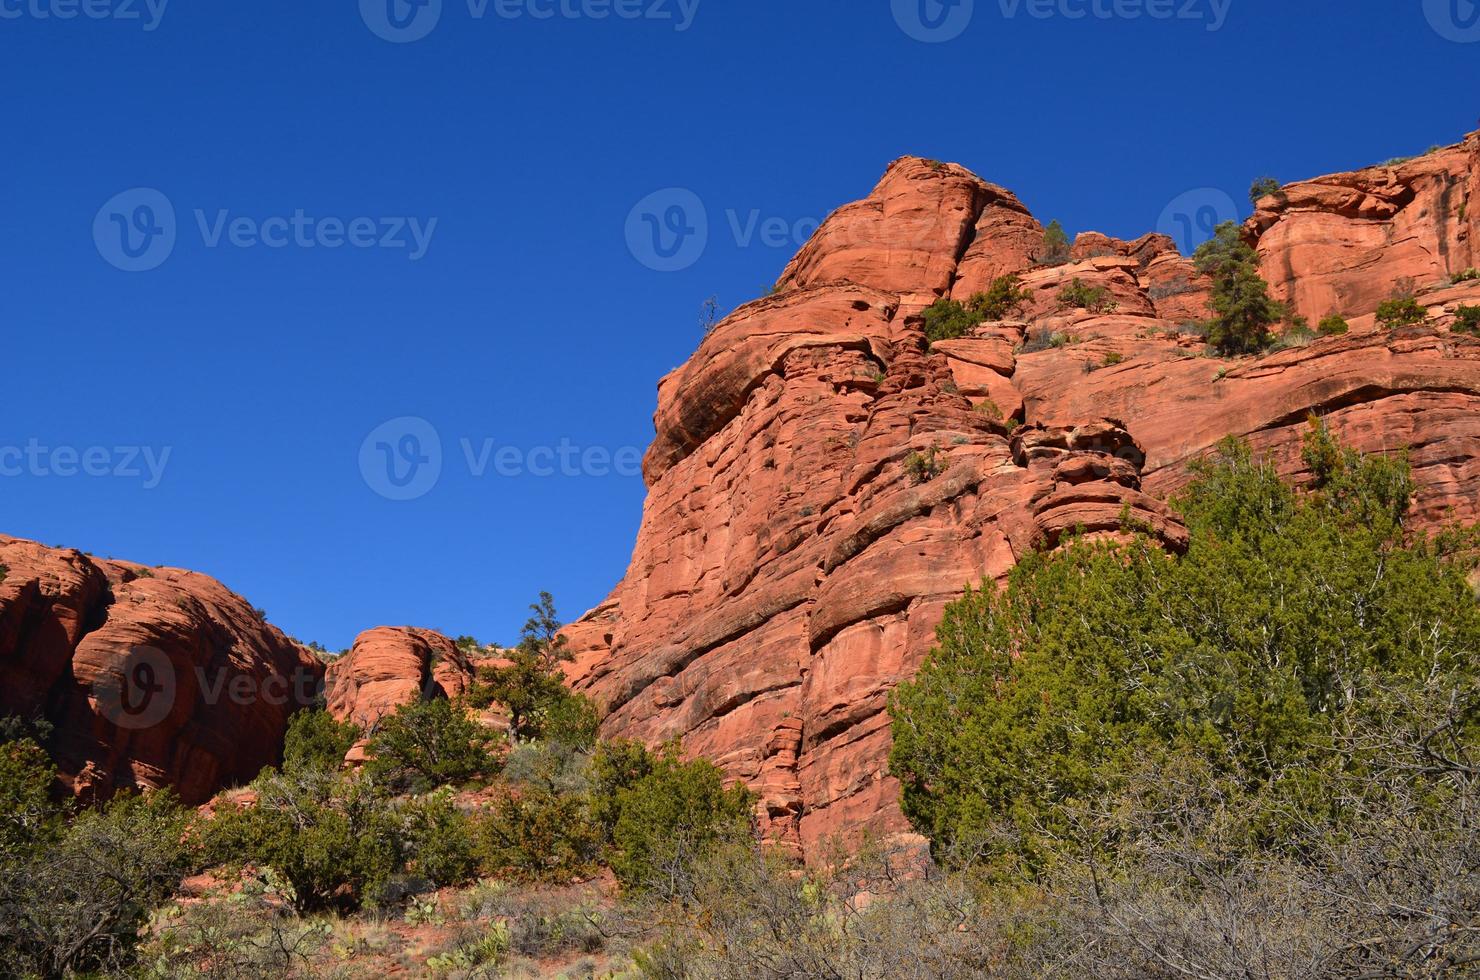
789 572
151 677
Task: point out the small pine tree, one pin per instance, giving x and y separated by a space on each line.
1244 310
1055 245
1262 188
531 686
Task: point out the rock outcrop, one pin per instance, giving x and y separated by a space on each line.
390 666
150 677
822 482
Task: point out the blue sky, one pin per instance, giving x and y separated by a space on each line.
447 229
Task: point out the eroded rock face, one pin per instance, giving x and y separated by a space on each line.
390 666
822 483
1340 243
150 677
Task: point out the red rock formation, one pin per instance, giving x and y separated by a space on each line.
390 666
151 677
1340 243
790 569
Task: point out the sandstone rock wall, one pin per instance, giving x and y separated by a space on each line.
790 570
390 666
150 677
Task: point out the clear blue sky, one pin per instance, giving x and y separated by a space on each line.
529 320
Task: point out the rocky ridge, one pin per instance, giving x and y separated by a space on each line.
791 565
822 482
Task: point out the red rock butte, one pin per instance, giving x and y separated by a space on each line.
789 571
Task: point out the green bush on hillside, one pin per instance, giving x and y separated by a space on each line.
427 744
1467 319
1293 620
72 902
315 741
660 813
334 839
948 319
1262 188
1400 311
1056 247
1080 295
531 686
1333 325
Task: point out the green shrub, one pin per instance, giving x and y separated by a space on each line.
1240 299
1400 311
1080 295
1262 188
1333 325
1112 358
28 819
335 839
315 741
531 687
661 812
990 409
1056 249
427 744
1467 319
1292 620
946 319
440 840
536 834
77 905
1469 275
1005 297
923 467
1044 338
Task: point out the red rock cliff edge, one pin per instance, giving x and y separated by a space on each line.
789 572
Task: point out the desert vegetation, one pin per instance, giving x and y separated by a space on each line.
1243 310
1253 758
